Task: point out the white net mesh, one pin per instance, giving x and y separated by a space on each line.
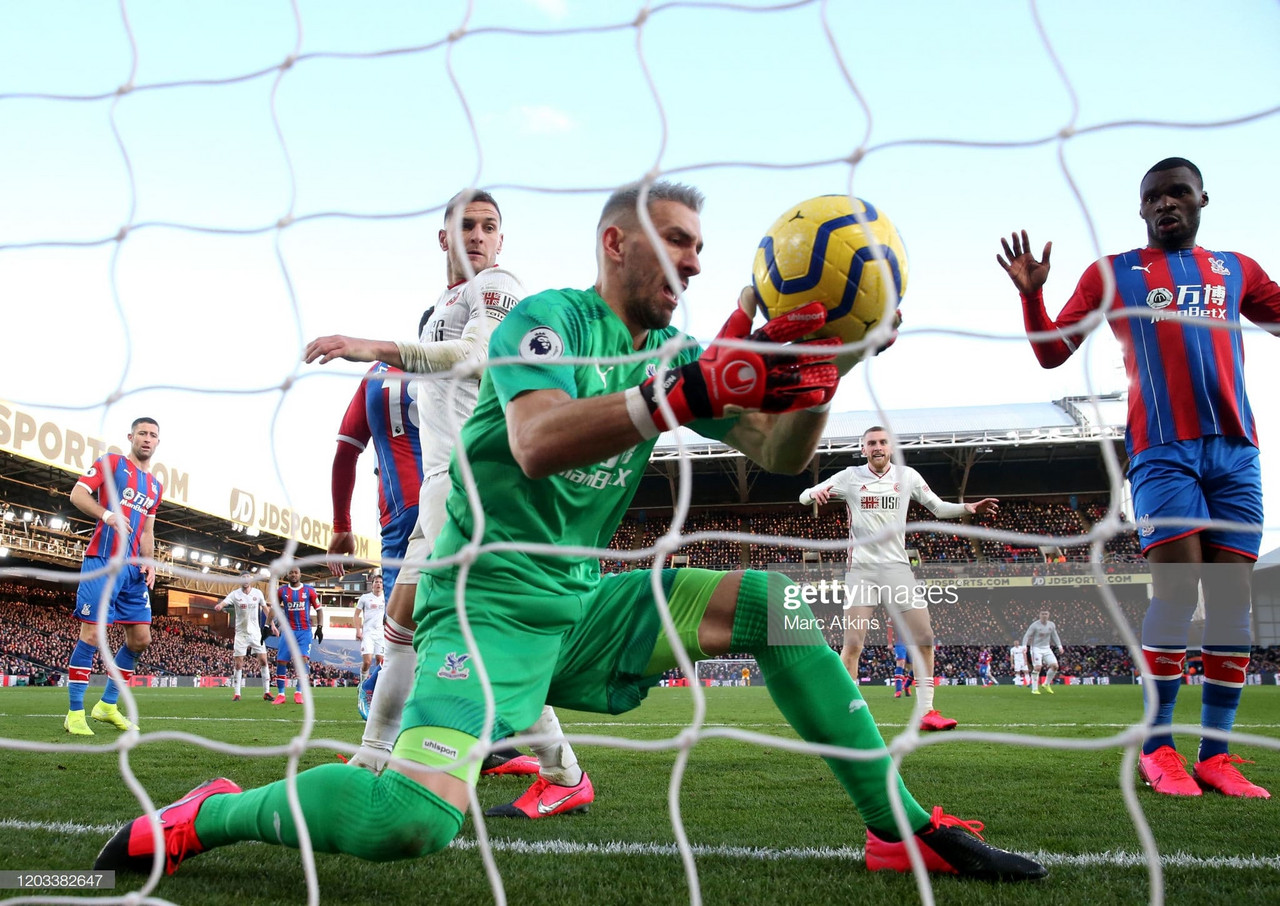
193 191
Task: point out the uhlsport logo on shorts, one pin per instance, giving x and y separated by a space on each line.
453 666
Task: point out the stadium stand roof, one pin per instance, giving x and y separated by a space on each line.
1066 420
1025 448
1014 449
27 484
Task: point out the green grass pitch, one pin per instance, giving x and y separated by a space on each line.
770 826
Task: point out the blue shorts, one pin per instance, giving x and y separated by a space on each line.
395 541
1212 477
984 670
900 652
303 637
130 601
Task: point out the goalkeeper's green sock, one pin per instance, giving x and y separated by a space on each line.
815 694
378 818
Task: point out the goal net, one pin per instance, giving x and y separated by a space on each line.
192 192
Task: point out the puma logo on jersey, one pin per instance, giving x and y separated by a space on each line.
1145 268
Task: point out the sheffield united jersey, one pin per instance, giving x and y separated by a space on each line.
1184 383
444 404
137 497
248 606
372 608
877 502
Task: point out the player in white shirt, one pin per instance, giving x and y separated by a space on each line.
250 608
370 610
478 296
1039 636
878 495
1018 663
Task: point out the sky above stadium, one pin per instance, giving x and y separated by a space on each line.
969 131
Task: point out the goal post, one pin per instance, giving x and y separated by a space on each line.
728 671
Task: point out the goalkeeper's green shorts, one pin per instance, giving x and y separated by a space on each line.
600 652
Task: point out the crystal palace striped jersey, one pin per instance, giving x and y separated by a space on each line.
297 604
384 410
1184 382
137 497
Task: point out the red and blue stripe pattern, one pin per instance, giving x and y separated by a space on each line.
137 497
1185 381
297 604
384 412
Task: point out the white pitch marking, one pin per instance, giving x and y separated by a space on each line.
756 853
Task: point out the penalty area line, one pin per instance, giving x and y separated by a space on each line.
1111 858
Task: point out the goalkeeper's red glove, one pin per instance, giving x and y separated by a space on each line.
725 382
893 337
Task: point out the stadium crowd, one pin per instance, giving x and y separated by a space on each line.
830 527
39 630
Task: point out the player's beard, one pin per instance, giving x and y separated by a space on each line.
646 305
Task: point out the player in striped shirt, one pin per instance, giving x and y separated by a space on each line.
295 601
122 496
984 668
384 412
1192 444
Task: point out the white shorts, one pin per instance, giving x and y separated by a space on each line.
435 490
1020 662
893 584
1043 657
247 643
373 643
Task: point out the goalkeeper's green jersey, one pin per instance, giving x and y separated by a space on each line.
580 507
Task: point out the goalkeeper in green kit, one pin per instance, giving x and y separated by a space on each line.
557 449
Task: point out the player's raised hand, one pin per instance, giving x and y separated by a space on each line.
337 346
1027 274
340 543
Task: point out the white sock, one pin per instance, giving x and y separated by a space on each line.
556 760
924 688
1049 675
394 684
239 675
